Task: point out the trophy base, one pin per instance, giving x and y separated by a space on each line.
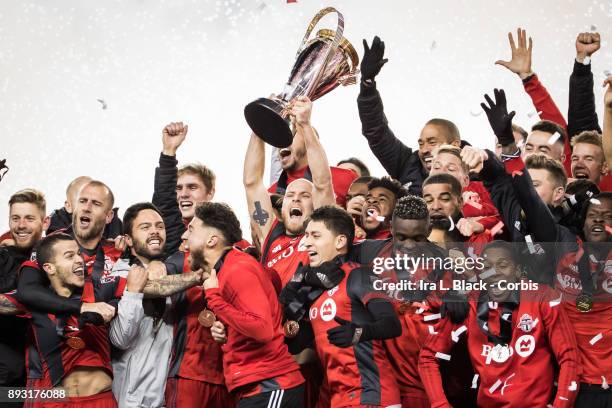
264 117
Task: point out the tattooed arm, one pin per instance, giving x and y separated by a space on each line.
258 199
171 284
7 307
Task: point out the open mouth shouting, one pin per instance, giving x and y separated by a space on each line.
313 257
581 173
79 270
185 205
295 213
154 243
84 221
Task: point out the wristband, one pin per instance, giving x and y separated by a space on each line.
506 157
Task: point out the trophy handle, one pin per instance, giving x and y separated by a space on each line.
313 23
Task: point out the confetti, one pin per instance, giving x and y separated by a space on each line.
608 229
431 330
452 226
555 302
593 259
604 383
595 201
573 386
596 339
517 173
593 28
607 73
374 215
492 305
432 317
572 199
535 323
529 241
495 386
407 185
520 144
532 114
456 333
475 381
443 356
497 228
487 274
553 139
517 225
476 112
486 327
432 46
104 106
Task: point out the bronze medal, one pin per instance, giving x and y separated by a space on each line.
291 328
207 318
584 303
75 343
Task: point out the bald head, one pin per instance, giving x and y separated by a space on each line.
72 190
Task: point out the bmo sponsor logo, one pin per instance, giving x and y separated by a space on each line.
524 347
327 311
569 282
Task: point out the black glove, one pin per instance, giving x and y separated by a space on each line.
455 306
345 335
325 276
372 60
499 119
90 318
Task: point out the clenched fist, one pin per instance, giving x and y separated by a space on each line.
587 44
173 136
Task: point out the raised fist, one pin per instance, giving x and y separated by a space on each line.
173 136
587 44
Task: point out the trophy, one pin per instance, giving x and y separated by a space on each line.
321 64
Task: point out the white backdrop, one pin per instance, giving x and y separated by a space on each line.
201 61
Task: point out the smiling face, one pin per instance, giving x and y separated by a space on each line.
191 191
297 206
93 211
441 204
196 239
379 202
26 223
598 217
444 162
322 244
500 260
431 138
148 235
66 269
538 142
588 162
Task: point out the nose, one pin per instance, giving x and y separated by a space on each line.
22 224
185 235
435 205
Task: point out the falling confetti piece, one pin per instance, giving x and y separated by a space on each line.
607 73
507 316
596 339
593 259
530 245
104 106
452 226
517 173
443 356
476 112
573 386
532 114
407 185
535 323
374 214
593 28
487 274
517 225
432 46
572 199
486 327
475 381
553 139
497 228
520 144
261 6
493 305
555 302
608 229
432 317
431 330
595 201
495 386
604 383
456 333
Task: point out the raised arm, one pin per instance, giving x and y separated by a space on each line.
607 131
581 114
399 160
520 64
164 193
258 199
323 193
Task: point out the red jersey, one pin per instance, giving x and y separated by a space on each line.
195 355
605 184
283 253
247 304
592 329
341 181
361 374
480 205
521 372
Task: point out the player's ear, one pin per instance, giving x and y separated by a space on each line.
129 241
340 242
109 216
49 269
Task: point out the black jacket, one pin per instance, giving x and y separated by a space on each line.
400 161
581 114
